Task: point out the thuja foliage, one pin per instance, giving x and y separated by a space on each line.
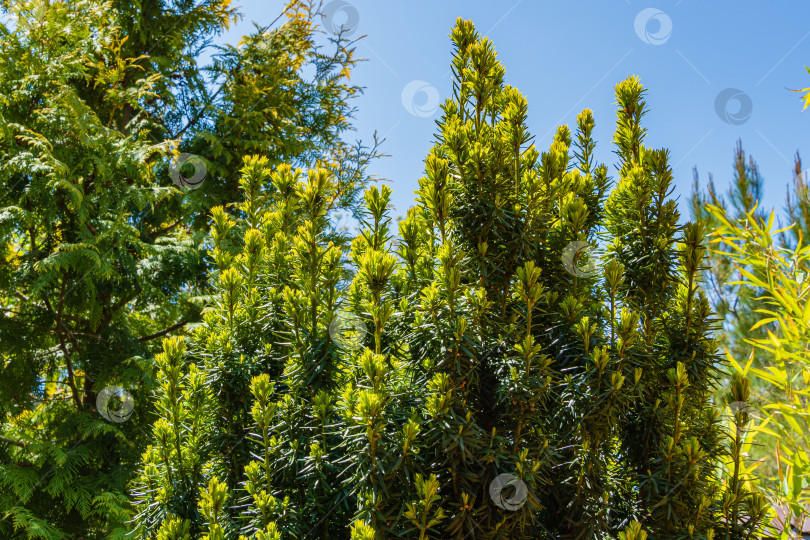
100 254
496 354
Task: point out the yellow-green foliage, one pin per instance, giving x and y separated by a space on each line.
778 274
474 378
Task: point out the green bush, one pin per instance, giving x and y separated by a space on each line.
484 375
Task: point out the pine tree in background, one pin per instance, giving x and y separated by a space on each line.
739 307
735 306
797 205
485 375
101 254
778 273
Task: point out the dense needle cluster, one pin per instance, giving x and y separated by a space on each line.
491 344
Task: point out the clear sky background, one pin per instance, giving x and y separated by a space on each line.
565 56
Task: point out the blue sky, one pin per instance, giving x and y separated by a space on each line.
566 56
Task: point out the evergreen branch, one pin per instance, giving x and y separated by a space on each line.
45 329
203 109
149 236
12 441
63 346
168 330
200 112
118 305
